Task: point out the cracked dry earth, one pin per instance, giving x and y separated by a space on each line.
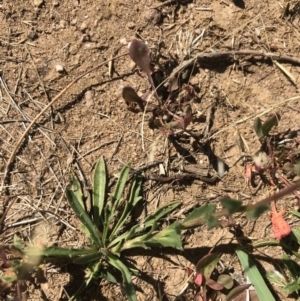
46 44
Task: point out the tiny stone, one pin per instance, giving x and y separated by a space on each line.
59 68
123 41
55 3
152 16
62 23
73 22
38 3
130 25
89 97
32 35
83 27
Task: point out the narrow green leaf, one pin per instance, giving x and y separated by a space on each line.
88 258
99 190
76 188
123 237
126 275
276 243
257 211
236 291
158 214
266 243
232 206
199 216
119 189
134 198
254 275
113 205
58 252
108 276
83 217
258 128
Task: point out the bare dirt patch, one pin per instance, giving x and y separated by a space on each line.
47 44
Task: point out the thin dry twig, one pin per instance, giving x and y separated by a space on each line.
227 54
18 144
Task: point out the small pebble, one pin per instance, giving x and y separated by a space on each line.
153 16
59 68
123 41
32 35
62 24
89 97
83 27
130 25
38 3
55 3
73 22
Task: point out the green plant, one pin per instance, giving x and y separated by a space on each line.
110 230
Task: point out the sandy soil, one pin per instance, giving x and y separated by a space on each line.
47 44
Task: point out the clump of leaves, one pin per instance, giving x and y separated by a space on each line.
110 229
165 113
209 283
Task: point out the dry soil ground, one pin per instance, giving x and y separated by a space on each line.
44 45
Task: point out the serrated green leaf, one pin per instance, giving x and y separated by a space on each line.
168 237
254 275
83 217
257 211
212 222
126 275
99 190
231 205
258 128
207 264
199 216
